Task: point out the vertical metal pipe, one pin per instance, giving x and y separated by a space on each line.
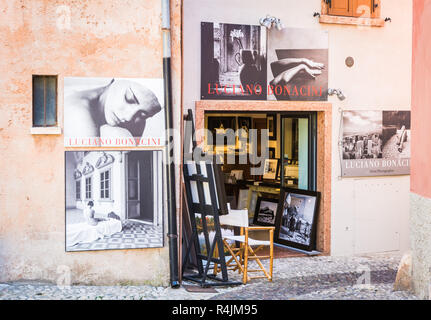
170 168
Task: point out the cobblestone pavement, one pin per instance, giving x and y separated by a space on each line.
363 277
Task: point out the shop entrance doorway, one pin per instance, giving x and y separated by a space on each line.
298 150
287 159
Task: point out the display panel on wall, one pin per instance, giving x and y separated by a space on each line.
296 219
375 143
248 62
297 64
113 200
113 112
233 61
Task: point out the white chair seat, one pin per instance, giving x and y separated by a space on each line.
251 242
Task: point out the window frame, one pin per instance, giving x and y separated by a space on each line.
374 20
78 195
109 189
311 116
45 125
90 190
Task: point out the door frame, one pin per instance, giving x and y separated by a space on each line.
311 116
126 175
323 109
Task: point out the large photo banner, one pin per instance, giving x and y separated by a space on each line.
233 61
247 62
113 112
375 143
113 199
297 65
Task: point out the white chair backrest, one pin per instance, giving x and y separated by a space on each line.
236 218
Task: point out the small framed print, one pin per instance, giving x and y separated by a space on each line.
296 218
271 124
286 163
271 153
265 212
270 169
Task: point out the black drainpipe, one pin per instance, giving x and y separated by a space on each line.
170 167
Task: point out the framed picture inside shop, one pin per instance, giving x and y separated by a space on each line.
296 219
266 210
272 126
220 127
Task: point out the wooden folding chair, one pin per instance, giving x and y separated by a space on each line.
241 255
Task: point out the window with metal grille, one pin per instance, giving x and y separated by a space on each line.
44 101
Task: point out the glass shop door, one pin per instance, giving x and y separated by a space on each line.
298 150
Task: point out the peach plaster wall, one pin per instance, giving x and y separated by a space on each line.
324 147
420 197
117 38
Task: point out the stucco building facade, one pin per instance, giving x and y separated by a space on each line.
81 39
123 39
420 192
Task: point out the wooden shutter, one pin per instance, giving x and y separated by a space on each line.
340 8
362 8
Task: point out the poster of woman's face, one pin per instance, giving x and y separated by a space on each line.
113 112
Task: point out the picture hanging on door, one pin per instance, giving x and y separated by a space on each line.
375 143
116 112
296 219
233 61
297 65
113 200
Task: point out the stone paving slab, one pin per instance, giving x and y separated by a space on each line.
303 278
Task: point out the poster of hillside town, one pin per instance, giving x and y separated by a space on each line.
375 143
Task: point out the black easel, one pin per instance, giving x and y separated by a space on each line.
204 174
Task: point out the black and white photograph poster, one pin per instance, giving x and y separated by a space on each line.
297 64
115 112
233 61
114 200
375 143
295 225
